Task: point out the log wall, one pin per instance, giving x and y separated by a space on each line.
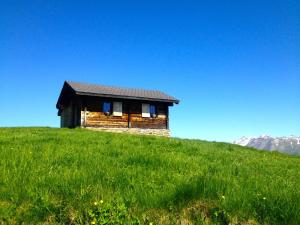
95 117
92 115
137 121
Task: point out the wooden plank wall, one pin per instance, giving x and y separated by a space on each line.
137 121
96 118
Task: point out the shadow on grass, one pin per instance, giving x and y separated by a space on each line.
204 188
197 187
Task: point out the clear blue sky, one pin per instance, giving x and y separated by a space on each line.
235 65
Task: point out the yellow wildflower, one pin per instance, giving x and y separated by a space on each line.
95 203
223 197
101 201
151 223
93 222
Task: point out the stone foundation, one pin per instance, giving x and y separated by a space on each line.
156 132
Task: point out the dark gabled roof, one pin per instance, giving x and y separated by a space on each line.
117 92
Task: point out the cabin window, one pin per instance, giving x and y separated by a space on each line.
153 111
145 110
117 109
106 108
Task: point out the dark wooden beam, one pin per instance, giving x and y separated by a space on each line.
129 119
167 121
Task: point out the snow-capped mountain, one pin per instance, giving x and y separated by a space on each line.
290 145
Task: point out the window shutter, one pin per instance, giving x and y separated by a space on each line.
152 109
106 107
145 110
117 107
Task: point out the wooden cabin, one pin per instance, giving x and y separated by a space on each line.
114 109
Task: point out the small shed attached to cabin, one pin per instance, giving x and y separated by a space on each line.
114 109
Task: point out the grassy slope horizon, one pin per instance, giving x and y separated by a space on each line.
51 175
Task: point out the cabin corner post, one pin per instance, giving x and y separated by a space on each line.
129 117
167 121
84 117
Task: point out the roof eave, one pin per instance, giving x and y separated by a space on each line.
127 97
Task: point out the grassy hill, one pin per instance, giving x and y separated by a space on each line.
64 176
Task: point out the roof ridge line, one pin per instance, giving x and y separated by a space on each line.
113 86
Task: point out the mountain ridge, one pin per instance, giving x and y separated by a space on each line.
286 144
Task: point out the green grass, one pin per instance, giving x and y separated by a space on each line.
53 176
